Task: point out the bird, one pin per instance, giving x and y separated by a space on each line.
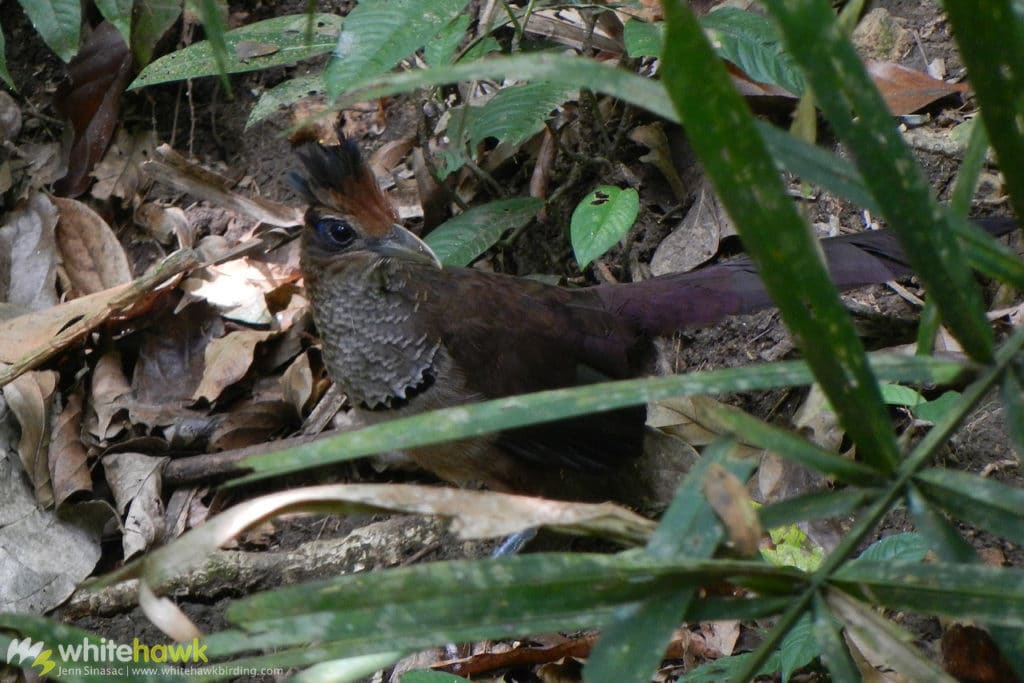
402 334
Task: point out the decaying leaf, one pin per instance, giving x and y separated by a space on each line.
166 223
906 90
91 255
108 391
43 556
91 101
227 360
119 173
297 384
30 398
728 497
251 423
238 288
697 237
69 465
28 271
134 480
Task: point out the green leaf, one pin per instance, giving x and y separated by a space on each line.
460 240
150 21
601 219
899 395
285 94
379 33
643 39
992 47
282 38
212 14
515 113
835 655
632 646
441 50
818 505
4 73
1012 392
727 668
424 676
58 23
118 13
793 548
933 411
725 139
799 647
851 102
490 416
751 42
571 71
969 591
987 503
905 547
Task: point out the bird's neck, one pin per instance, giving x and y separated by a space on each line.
373 344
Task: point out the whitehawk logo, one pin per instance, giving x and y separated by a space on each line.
20 650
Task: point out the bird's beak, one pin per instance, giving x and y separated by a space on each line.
401 243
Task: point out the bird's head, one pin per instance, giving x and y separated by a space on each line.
348 214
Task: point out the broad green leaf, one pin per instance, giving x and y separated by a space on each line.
460 240
643 39
434 603
571 71
991 43
969 591
4 73
933 411
272 42
515 113
835 654
58 23
213 13
118 13
600 220
799 647
1012 392
490 416
379 33
727 668
632 646
150 21
751 42
818 505
441 50
899 395
990 504
285 94
857 112
905 547
725 139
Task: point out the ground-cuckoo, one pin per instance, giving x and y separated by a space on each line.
402 334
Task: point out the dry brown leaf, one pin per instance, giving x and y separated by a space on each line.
135 482
697 237
170 364
906 90
92 257
119 173
28 273
251 423
30 398
227 359
69 464
728 497
297 384
108 391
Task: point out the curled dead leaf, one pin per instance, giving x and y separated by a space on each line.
68 461
729 499
91 254
227 360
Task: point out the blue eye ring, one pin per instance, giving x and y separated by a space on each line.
335 232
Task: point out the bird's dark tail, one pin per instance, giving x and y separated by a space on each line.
666 304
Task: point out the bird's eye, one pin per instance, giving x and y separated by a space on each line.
335 232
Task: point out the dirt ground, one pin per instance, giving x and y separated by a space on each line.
199 121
